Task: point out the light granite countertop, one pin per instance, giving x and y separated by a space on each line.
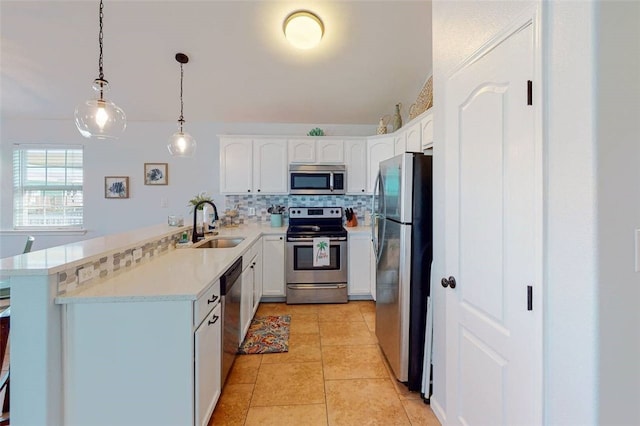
181 274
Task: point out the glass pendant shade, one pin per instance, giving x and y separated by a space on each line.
182 144
100 118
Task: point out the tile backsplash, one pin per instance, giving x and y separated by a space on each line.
359 204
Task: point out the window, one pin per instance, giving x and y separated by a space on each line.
47 187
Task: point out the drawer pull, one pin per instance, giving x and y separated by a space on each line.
215 319
213 299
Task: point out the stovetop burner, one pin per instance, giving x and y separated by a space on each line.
312 222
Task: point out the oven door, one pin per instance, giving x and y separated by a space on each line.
300 269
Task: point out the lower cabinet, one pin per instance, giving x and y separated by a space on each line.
208 340
251 286
362 278
154 361
273 271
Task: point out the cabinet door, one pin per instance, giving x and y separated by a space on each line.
355 156
246 300
379 149
302 151
329 150
257 277
207 365
399 142
235 165
427 130
413 139
360 264
273 260
270 168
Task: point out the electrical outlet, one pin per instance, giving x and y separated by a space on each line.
137 253
85 273
252 211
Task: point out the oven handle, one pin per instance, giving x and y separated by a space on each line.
308 240
314 286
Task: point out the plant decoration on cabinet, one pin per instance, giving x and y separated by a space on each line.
316 132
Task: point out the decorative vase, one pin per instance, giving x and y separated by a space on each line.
382 127
397 119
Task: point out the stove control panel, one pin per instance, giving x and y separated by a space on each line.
315 212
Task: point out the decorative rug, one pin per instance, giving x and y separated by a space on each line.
268 334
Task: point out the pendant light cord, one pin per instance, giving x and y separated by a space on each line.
181 118
100 35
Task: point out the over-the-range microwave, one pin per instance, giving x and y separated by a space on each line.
317 179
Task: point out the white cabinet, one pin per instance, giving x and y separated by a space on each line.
413 138
355 158
378 149
251 286
316 150
399 142
270 166
253 165
142 355
208 340
426 123
273 271
361 265
236 171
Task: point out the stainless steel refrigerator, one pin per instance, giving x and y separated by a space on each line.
402 239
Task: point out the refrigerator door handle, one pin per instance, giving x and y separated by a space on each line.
382 218
374 216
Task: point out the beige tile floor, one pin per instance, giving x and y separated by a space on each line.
334 374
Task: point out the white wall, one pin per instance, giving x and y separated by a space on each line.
143 142
618 146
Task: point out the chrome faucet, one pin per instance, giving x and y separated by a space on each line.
195 235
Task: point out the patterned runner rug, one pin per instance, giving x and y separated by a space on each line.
268 334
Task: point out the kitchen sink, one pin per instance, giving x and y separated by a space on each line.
219 243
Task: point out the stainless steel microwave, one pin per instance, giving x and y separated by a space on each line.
317 179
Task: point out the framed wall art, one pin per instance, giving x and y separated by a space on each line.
156 173
116 187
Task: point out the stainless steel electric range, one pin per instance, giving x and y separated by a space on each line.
316 275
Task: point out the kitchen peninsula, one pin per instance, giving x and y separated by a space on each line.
129 323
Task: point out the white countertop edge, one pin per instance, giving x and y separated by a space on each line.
189 264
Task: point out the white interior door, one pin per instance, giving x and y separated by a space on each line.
494 366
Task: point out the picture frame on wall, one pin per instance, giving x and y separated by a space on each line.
156 173
116 187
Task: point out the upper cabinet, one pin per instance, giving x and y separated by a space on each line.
378 149
426 124
253 165
355 159
316 150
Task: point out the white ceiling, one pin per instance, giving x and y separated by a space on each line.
374 54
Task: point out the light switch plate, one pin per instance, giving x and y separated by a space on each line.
252 211
85 274
637 250
137 253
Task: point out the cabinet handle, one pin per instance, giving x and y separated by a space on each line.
215 319
280 238
258 190
248 190
251 266
362 190
213 299
254 264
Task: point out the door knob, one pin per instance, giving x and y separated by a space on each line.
448 282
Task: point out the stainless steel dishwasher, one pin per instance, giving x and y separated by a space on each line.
230 289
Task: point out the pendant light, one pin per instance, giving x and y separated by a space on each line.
181 144
100 118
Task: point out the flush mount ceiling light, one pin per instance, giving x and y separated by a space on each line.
100 118
303 29
181 144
